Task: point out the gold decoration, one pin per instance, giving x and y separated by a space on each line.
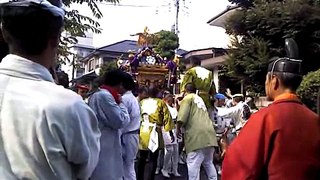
145 38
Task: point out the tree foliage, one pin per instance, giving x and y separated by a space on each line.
309 89
165 43
243 3
108 66
76 25
254 58
263 26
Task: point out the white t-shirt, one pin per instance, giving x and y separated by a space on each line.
166 135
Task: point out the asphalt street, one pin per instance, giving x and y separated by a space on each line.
184 172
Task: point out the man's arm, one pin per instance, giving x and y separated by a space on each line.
70 133
247 155
179 132
167 119
184 110
127 102
229 112
187 78
111 114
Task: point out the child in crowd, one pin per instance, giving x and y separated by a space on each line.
171 157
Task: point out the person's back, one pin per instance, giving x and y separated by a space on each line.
154 115
200 136
198 126
42 125
281 141
296 137
130 133
131 103
159 115
46 131
202 79
112 116
292 133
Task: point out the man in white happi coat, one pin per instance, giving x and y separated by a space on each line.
46 131
240 112
130 133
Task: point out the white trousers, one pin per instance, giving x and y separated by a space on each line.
201 156
171 158
130 144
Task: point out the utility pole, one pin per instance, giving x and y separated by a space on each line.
177 6
73 67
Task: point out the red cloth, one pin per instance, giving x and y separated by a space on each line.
279 142
80 86
113 92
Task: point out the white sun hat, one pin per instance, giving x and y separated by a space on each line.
237 95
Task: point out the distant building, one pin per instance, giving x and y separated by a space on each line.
94 60
84 47
220 19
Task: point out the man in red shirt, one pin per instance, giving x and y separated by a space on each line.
281 141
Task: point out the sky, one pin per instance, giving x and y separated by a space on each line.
118 22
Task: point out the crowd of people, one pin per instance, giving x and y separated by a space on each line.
49 132
158 110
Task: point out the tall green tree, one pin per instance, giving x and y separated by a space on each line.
262 26
165 43
76 25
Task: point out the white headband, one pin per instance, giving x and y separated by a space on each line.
46 5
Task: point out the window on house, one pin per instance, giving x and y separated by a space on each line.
80 72
93 64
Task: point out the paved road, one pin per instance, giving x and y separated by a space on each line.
184 172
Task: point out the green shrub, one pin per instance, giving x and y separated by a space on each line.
309 89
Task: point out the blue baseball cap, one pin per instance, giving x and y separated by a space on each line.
219 96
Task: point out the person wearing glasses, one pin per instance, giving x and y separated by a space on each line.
46 131
281 141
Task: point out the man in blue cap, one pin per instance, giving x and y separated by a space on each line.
221 99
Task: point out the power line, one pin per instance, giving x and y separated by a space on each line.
131 5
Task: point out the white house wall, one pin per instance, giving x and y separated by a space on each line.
213 65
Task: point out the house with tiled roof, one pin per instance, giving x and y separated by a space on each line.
98 56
